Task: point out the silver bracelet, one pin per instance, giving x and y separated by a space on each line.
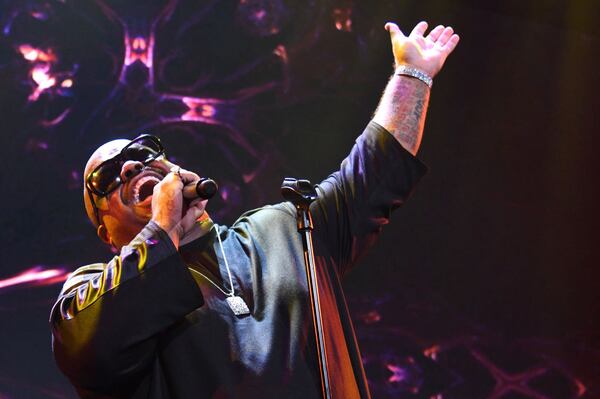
415 73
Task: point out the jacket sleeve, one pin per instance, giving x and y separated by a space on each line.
108 317
355 202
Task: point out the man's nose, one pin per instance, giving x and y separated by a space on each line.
130 169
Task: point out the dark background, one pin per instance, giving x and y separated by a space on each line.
492 263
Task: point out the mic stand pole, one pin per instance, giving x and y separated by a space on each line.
302 193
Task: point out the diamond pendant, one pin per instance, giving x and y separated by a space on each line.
237 305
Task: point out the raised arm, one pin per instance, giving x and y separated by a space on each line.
403 105
381 171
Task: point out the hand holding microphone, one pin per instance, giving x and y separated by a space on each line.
171 211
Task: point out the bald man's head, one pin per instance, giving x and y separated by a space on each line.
131 177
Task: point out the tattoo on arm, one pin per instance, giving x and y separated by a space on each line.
402 110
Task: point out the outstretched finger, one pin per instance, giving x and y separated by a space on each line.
419 29
445 36
393 29
435 33
451 43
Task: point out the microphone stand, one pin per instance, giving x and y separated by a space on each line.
302 193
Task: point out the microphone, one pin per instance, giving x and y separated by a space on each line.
204 188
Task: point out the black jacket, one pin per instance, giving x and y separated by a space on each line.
142 326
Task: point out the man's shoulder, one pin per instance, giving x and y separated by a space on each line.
82 275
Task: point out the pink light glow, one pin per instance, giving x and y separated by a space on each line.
35 145
581 389
260 14
41 70
432 352
398 373
371 317
281 52
139 44
35 54
43 79
199 110
138 49
36 276
41 76
342 19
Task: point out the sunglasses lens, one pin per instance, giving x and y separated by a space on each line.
142 150
105 178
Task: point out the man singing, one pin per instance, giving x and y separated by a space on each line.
191 309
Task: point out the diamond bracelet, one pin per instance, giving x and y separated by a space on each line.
415 73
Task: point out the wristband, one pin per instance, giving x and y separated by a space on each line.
415 73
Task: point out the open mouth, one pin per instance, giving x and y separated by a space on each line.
144 188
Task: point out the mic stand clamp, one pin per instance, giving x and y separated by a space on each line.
301 193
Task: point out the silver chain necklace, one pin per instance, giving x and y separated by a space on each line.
236 303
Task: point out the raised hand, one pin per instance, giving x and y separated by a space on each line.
427 53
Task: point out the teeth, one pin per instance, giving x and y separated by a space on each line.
139 183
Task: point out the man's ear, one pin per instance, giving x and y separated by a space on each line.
103 234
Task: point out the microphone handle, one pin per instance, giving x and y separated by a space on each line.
204 188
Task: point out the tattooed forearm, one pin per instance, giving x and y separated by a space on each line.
402 110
